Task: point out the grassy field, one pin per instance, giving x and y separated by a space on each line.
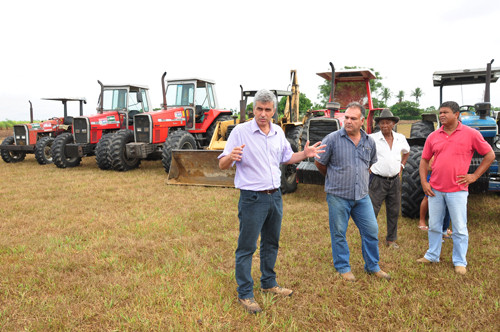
88 250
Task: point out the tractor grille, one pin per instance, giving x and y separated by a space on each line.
320 127
81 130
21 135
143 128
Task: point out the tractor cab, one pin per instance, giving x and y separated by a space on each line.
195 95
128 100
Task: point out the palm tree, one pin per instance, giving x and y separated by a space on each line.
417 93
401 96
385 95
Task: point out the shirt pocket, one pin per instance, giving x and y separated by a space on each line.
364 154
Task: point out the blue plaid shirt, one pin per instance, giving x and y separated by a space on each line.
347 164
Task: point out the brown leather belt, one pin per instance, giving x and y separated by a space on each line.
268 191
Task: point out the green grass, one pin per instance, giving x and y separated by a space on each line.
89 250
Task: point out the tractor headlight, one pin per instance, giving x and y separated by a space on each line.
139 130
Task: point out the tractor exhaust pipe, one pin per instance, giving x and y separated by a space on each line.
164 90
101 106
331 105
243 106
31 111
488 80
332 90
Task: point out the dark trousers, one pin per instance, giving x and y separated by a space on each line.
388 190
259 214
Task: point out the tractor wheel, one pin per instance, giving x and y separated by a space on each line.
411 190
59 156
421 129
102 153
211 128
12 156
304 136
43 152
289 172
178 140
482 184
119 160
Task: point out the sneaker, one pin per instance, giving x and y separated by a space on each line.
348 276
460 270
382 275
250 305
277 290
392 244
423 260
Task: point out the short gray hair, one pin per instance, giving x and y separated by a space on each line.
264 96
357 105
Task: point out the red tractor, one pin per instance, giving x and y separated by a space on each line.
346 86
38 138
92 134
187 121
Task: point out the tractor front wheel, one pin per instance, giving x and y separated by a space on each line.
12 156
178 140
43 153
58 152
102 153
119 160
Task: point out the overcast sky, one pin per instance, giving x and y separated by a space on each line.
61 48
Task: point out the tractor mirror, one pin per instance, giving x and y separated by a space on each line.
139 97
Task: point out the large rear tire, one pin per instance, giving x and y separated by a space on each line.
289 172
411 190
119 160
102 153
11 156
211 128
178 140
58 152
421 129
43 150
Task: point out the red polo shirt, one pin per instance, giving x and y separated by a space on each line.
452 155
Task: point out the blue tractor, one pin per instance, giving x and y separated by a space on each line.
478 116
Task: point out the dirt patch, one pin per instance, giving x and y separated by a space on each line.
5 133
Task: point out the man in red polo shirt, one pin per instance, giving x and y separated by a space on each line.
452 146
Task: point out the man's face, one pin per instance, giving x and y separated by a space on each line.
386 126
353 120
447 117
263 113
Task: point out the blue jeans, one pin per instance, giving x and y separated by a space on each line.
361 211
457 207
258 213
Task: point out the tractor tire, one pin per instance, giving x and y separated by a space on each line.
303 138
482 184
421 129
411 190
43 153
178 140
102 153
119 160
11 156
289 172
211 128
58 155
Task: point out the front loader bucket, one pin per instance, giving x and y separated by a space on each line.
199 168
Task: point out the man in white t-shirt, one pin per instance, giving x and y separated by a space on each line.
385 185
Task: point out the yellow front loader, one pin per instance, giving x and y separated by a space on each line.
201 167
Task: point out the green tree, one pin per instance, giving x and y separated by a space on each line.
385 94
305 104
417 93
400 96
406 110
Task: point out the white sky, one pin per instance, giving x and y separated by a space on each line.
61 48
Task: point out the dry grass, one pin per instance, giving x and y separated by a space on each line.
84 249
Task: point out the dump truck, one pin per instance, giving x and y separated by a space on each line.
91 134
346 86
478 116
202 167
187 120
37 138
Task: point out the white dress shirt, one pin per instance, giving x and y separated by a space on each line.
389 160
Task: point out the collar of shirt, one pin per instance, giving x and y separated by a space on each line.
255 127
459 127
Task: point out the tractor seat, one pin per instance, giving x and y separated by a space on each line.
68 120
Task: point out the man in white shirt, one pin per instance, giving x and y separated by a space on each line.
385 185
